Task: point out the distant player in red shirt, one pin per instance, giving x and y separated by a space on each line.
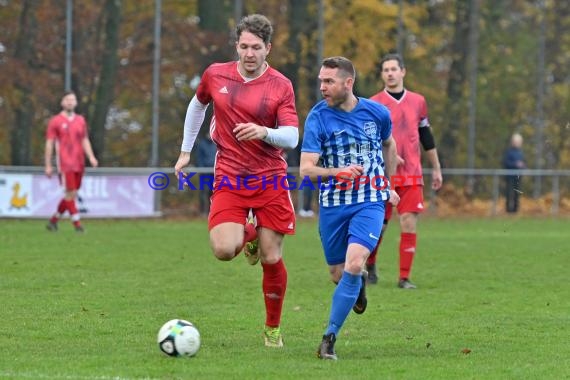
410 128
67 131
254 120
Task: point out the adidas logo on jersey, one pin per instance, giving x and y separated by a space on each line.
223 90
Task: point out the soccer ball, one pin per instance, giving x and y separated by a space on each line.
178 337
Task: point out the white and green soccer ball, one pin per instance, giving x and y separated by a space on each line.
178 337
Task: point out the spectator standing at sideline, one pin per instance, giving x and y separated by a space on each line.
513 159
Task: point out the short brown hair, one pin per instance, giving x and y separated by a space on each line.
341 63
392 57
68 93
255 24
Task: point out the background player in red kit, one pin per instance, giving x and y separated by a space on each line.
67 131
254 120
410 128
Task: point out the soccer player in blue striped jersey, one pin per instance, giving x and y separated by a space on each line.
348 148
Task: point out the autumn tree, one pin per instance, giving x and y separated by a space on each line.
113 59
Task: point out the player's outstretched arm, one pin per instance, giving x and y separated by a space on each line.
195 114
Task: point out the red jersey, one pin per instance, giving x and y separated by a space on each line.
407 114
68 135
267 100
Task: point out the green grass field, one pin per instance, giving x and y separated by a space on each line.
493 303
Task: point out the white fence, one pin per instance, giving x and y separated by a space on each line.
140 198
489 183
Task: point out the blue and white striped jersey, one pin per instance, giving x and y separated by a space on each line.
345 138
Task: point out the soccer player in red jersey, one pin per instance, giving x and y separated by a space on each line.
254 120
67 131
410 128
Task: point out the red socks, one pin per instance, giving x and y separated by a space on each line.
73 212
249 233
71 207
61 208
274 283
274 286
407 252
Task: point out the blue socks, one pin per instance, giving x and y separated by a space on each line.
343 300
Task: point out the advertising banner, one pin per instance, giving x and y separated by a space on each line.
102 196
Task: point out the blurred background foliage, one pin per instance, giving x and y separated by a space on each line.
112 65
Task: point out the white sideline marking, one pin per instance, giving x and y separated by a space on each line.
30 375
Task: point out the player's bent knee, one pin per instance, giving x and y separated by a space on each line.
353 269
270 257
224 256
354 264
224 251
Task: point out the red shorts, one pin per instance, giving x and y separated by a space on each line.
71 180
411 200
272 207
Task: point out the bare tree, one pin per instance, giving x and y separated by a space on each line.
296 19
107 77
214 15
20 138
456 84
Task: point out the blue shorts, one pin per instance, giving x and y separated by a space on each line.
340 226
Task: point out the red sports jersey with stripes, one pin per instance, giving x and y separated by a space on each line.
267 100
68 134
407 114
